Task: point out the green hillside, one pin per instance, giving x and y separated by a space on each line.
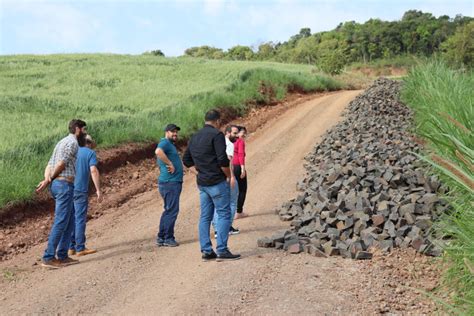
122 98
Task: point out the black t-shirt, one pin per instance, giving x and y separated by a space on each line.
206 151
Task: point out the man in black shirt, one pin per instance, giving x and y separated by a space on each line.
207 152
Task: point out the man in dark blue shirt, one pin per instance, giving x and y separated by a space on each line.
207 152
170 183
86 167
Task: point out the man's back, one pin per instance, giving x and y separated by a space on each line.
207 151
86 158
66 151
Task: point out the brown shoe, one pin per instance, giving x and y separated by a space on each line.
71 252
68 261
51 264
85 252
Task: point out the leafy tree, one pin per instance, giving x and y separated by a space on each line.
332 63
156 52
240 53
305 51
459 48
205 52
417 33
266 51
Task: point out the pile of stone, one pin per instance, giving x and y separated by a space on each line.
364 187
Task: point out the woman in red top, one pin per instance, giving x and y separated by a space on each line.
239 171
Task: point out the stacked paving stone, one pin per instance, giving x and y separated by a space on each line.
364 186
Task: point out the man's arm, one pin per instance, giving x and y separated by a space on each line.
49 177
60 166
222 160
162 156
95 174
231 169
187 158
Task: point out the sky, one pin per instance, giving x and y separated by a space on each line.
133 27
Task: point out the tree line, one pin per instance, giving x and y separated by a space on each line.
417 33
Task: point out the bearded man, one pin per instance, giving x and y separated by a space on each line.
59 177
170 183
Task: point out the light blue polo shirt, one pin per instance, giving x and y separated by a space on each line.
86 158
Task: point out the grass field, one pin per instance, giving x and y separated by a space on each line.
443 101
122 98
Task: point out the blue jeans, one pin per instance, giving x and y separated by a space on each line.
78 236
170 192
60 235
234 196
214 197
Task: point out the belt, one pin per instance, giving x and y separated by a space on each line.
68 179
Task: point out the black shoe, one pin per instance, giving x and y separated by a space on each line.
227 256
234 231
209 256
170 243
160 242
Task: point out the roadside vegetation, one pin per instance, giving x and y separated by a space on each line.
122 99
416 34
443 102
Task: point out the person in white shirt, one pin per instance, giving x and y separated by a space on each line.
231 132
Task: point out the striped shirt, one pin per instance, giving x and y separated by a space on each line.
66 151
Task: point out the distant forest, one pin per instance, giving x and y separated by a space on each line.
417 33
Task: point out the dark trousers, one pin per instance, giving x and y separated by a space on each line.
242 188
170 192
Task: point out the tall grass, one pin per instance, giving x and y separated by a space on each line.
443 101
122 99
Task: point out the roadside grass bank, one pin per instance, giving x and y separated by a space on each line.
122 99
443 102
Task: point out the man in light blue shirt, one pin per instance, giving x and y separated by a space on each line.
170 183
86 167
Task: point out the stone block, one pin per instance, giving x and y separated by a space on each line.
265 242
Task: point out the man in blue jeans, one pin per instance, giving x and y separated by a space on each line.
207 152
59 176
86 167
170 183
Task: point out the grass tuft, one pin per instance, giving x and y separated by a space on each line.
443 102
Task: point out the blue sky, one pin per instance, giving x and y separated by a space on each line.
132 27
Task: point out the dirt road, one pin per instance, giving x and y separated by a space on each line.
130 275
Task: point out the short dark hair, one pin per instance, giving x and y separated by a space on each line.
212 116
76 123
242 128
229 128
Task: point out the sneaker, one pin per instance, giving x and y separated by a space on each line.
160 242
85 252
227 256
170 243
209 256
234 231
68 261
71 252
51 264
